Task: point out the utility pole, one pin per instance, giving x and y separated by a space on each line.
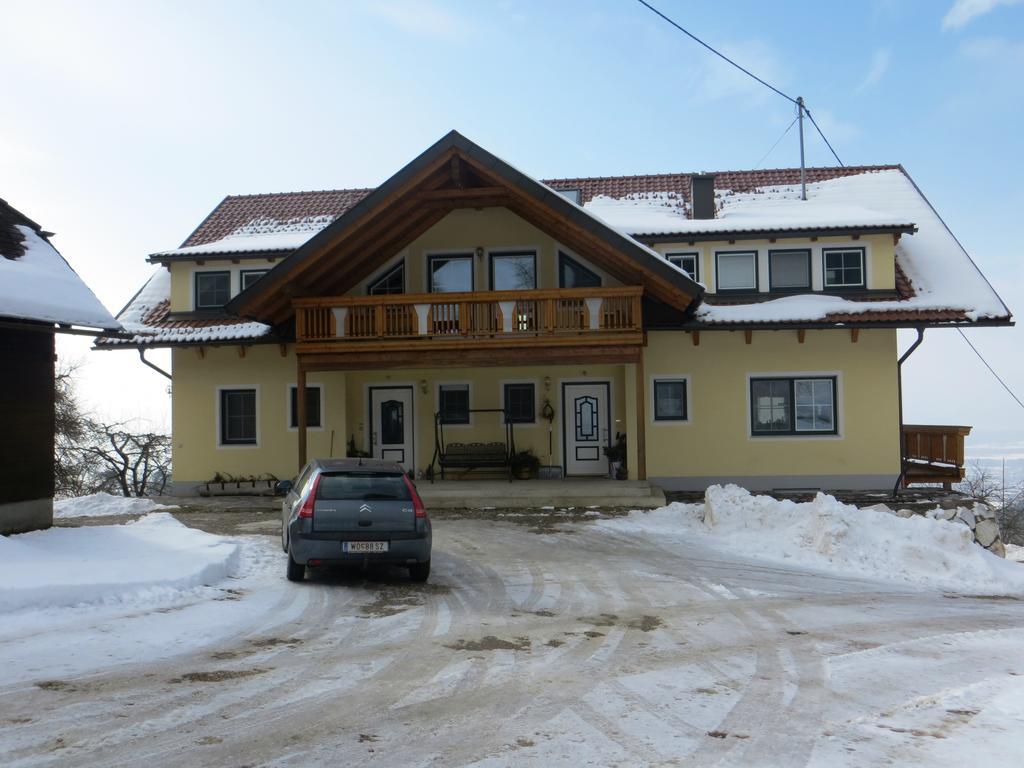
803 170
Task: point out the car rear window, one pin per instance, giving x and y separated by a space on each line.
364 486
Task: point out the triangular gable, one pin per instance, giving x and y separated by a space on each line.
453 173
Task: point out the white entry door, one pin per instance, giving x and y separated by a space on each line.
585 426
391 422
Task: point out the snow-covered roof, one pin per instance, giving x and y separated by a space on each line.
260 235
942 274
38 284
147 318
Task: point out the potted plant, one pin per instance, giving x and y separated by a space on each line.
616 455
525 465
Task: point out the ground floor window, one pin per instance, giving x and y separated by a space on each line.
520 403
453 403
793 406
670 400
238 417
314 417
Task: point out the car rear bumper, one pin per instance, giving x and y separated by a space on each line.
404 548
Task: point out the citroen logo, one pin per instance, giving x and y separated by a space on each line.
365 508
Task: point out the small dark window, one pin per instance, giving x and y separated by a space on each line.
450 274
737 270
313 415
250 276
792 406
844 267
572 195
520 403
391 282
670 400
686 262
362 486
789 270
213 289
453 403
238 416
514 271
572 274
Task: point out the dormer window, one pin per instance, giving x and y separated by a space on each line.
789 270
843 267
686 261
737 270
391 282
250 276
573 195
212 289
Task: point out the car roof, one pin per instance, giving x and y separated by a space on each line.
357 464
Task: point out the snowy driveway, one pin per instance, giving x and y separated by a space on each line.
588 646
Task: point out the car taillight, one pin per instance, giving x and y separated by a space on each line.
417 503
306 510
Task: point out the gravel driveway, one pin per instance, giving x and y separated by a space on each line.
573 647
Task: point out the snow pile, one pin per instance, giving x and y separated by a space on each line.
41 285
150 560
104 504
825 534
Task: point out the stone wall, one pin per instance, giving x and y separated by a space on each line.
979 517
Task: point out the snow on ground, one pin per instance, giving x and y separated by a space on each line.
827 535
104 504
147 561
1015 553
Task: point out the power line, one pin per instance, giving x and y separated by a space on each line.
715 51
990 369
788 129
815 124
744 70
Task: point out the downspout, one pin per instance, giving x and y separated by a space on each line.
899 393
157 368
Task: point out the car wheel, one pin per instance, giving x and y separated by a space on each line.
296 571
419 572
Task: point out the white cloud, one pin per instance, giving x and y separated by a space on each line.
964 11
879 66
424 18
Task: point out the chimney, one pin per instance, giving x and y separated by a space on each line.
702 195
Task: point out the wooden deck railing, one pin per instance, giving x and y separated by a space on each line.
933 454
490 314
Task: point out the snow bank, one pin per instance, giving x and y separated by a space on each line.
827 535
103 504
149 560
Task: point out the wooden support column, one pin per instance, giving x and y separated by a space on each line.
300 407
641 419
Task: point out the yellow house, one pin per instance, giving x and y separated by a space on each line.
725 327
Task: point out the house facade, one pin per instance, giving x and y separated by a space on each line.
728 328
40 295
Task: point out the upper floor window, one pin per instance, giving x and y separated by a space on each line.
213 289
793 406
843 267
737 270
572 274
450 274
687 262
392 281
570 194
250 276
789 270
514 271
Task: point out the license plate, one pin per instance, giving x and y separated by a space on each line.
364 546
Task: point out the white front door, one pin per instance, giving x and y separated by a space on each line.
391 418
585 426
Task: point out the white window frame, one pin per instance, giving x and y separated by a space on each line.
288 407
752 252
695 255
826 249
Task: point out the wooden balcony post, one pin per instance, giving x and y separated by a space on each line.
379 326
641 419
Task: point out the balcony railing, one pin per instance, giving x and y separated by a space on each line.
484 315
933 454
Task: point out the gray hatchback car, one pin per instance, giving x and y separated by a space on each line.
354 511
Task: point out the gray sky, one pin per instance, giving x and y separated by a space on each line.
126 122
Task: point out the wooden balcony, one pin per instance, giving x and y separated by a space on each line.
933 454
569 317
